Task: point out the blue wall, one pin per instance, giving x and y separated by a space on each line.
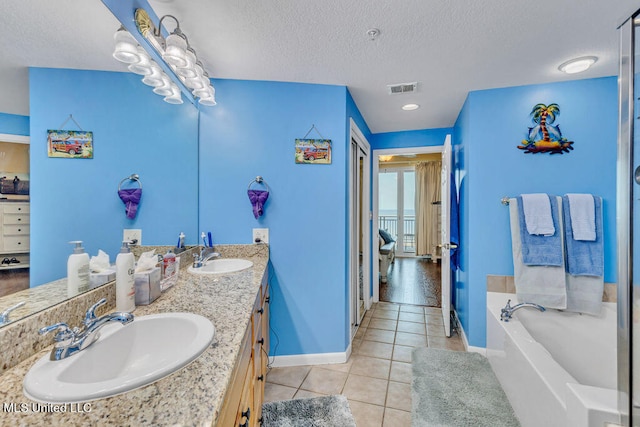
461 133
134 131
409 139
490 126
251 132
14 124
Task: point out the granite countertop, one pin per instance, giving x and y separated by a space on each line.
191 396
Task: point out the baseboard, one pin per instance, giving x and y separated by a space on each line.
311 359
467 347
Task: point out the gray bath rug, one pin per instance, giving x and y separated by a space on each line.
453 388
325 411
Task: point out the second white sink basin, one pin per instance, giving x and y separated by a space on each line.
222 266
122 359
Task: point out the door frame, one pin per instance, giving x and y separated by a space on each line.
356 135
374 220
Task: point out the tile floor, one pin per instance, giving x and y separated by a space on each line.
377 377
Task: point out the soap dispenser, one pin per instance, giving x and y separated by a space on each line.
77 270
125 281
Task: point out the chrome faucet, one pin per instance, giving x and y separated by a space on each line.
206 254
4 316
507 311
71 341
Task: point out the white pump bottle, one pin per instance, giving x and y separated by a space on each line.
125 281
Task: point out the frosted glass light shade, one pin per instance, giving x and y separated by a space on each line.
202 92
165 88
188 71
175 97
155 78
194 83
126 48
208 99
142 67
175 50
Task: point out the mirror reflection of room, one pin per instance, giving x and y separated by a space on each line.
14 217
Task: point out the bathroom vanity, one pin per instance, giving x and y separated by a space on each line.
223 387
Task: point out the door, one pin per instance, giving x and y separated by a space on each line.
359 222
445 240
396 209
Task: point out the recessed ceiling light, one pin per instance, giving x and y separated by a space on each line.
410 107
578 65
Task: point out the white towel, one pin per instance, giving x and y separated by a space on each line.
583 216
537 214
544 285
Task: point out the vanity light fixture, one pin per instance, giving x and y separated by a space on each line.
183 68
578 65
128 51
176 51
410 107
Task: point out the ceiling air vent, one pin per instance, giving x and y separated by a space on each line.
402 88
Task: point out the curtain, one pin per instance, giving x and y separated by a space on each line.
427 192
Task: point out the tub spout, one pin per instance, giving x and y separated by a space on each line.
507 310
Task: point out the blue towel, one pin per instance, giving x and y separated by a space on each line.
454 230
584 258
537 249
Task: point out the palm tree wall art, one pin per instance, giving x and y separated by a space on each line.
544 137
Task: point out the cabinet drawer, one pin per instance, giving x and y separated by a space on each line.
15 219
16 243
15 230
15 208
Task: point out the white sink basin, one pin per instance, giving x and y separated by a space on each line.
222 266
122 359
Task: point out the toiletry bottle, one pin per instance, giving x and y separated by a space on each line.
168 264
181 240
77 270
125 282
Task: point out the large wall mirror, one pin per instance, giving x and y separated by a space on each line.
57 65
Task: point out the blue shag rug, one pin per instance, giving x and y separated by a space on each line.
325 411
454 388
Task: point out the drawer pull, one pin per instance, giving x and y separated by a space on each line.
261 311
246 413
19 229
261 341
267 299
19 219
261 378
19 209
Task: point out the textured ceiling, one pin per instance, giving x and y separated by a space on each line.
449 47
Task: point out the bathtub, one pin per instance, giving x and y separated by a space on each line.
557 368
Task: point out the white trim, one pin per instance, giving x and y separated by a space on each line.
356 134
467 347
18 139
311 359
360 139
374 219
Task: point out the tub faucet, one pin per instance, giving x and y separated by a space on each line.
4 316
206 254
507 311
71 341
